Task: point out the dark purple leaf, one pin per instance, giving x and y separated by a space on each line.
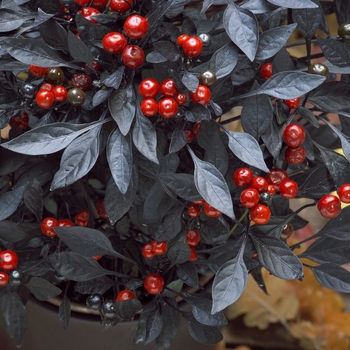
332 276
258 6
171 224
48 138
100 96
282 61
78 50
197 112
309 116
42 289
144 137
229 282
335 51
215 231
9 201
224 60
247 149
243 71
98 285
54 35
11 232
178 140
188 273
114 79
294 4
271 41
33 199
212 186
119 156
9 20
64 312
168 50
154 325
242 28
338 228
127 309
155 57
179 252
190 81
121 104
342 10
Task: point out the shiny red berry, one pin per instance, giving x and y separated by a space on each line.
168 88
344 193
45 98
101 211
293 135
196 128
47 226
276 176
147 251
193 254
88 12
154 283
260 214
133 56
266 71
167 107
65 222
159 248
125 294
210 211
182 38
294 103
288 189
295 155
149 107
149 88
99 4
4 278
46 86
82 218
135 26
60 93
114 43
82 81
192 46
242 177
193 237
202 95
8 260
259 183
181 99
37 71
329 206
120 6
271 189
193 210
250 197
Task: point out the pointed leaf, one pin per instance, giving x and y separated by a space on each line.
224 60
64 312
78 50
242 28
54 34
294 4
42 289
212 186
338 228
9 202
179 252
190 81
187 272
33 199
11 232
178 140
336 52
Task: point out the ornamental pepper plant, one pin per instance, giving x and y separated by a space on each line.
125 180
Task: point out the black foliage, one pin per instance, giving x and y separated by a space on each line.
126 180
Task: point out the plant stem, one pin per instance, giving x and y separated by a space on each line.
239 220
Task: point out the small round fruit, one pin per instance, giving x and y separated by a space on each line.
210 211
99 4
276 176
8 260
125 294
46 86
329 206
344 193
4 278
114 43
76 97
94 301
271 189
65 223
167 107
265 198
82 218
47 226
193 210
45 98
344 31
101 211
242 177
21 121
293 103
293 135
97 257
295 155
159 248
168 88
147 251
153 283
82 2
54 76
107 309
259 183
205 39
149 107
193 254
202 95
88 12
133 56
120 6
193 237
82 81
181 39
249 198
28 90
207 78
287 231
181 99
189 136
192 46
319 69
60 93
260 214
288 189
37 71
135 26
266 71
149 88
16 277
